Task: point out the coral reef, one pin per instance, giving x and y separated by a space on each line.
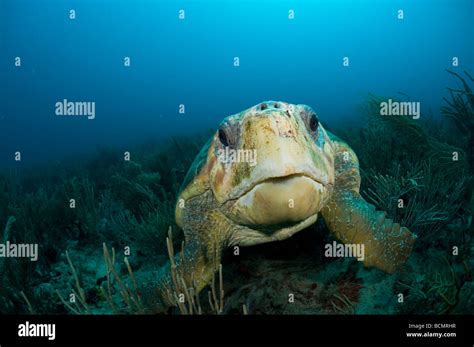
122 203
460 108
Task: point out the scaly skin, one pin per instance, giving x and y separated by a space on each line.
301 171
353 220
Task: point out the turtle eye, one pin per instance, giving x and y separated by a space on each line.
223 137
226 136
312 122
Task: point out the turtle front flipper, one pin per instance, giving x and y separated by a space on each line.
351 219
206 233
193 267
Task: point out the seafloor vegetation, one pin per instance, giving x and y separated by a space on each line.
131 204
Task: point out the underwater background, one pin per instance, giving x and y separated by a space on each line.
141 62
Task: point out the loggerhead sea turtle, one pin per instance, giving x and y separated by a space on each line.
301 170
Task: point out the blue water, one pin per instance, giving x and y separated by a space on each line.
191 62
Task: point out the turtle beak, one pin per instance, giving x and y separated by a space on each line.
280 200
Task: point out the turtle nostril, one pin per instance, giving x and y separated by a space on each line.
288 113
263 107
276 105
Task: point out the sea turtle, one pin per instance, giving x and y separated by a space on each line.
267 173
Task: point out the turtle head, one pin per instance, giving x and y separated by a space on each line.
272 166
